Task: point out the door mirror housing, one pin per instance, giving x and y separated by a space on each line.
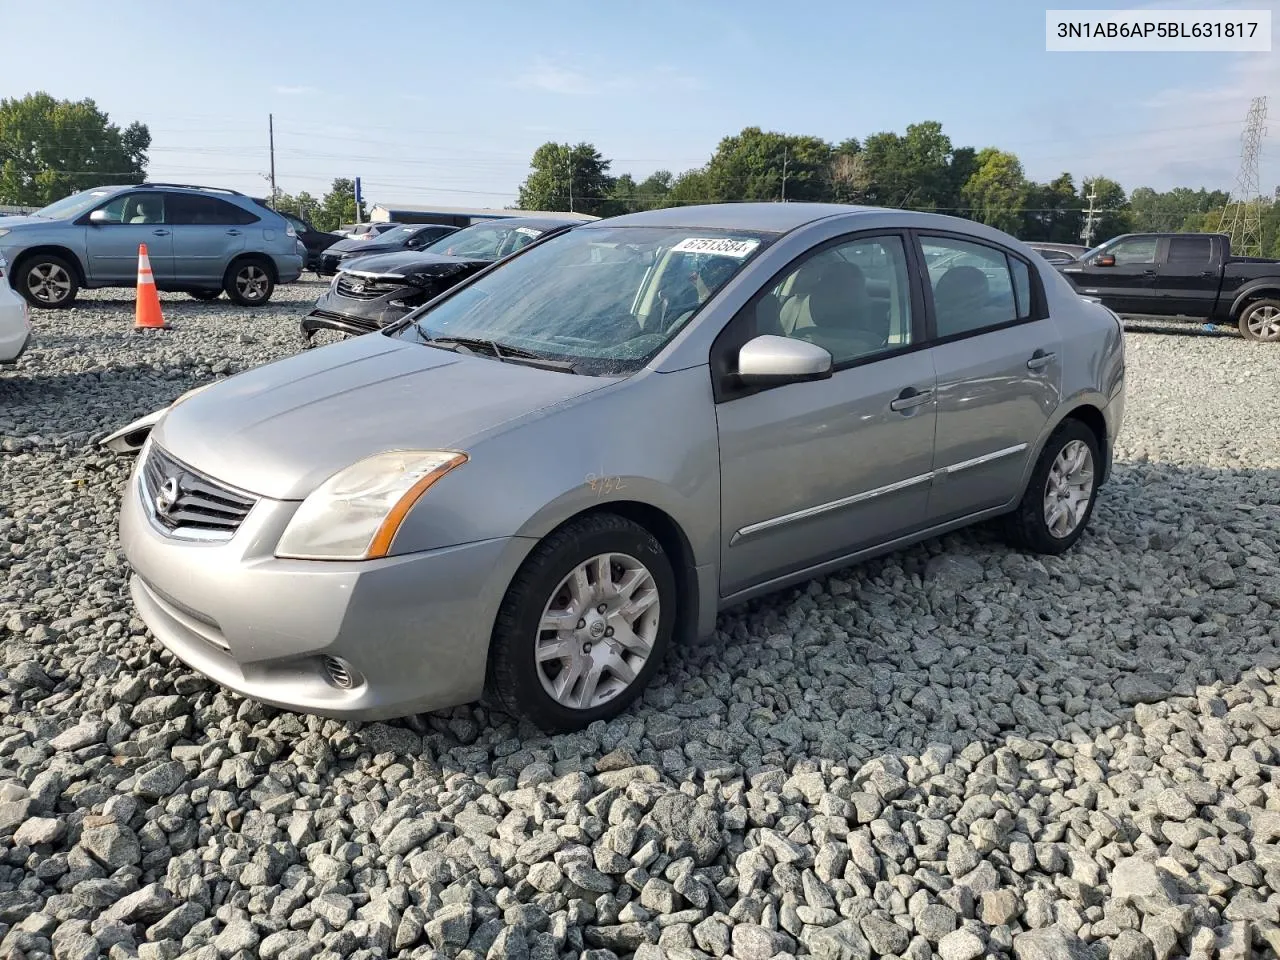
99 217
769 360
1106 260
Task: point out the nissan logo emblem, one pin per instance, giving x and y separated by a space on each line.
168 495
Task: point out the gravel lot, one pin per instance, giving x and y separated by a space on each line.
957 751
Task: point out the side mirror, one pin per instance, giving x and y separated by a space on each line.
1106 260
770 360
99 216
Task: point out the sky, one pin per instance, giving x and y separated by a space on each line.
444 103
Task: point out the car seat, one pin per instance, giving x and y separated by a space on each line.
960 298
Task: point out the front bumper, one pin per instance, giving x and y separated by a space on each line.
15 327
333 311
412 631
327 264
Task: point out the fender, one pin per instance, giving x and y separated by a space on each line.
1069 405
57 250
1269 285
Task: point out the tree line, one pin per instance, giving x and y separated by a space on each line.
920 169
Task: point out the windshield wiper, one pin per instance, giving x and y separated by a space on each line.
502 351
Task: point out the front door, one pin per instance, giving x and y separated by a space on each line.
999 374
815 471
132 219
1126 287
1188 278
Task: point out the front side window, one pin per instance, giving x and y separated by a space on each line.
973 285
852 299
1137 250
604 299
136 208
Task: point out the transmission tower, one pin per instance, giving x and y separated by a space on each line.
1242 217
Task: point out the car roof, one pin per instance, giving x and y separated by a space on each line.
541 223
761 217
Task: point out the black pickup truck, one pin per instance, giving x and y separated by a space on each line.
1184 275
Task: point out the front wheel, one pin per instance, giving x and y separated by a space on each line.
584 624
47 281
1260 321
249 283
1059 500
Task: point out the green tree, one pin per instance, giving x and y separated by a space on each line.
1053 211
759 165
1157 212
689 188
911 171
996 191
52 148
336 207
848 173
568 177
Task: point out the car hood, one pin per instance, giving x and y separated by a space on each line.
348 244
280 430
8 223
407 263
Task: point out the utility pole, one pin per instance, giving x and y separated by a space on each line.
271 139
1242 217
569 159
784 173
1090 217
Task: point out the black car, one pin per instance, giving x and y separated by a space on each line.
370 292
316 241
406 236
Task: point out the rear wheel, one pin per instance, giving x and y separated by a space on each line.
584 624
1059 499
249 283
1260 321
48 281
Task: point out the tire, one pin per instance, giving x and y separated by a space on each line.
205 294
1029 527
1260 321
47 281
523 684
249 282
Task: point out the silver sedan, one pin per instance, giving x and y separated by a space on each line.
539 481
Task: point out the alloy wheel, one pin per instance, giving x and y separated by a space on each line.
252 282
1068 489
49 283
1264 323
597 631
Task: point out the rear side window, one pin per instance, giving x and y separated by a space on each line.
974 286
1190 249
206 211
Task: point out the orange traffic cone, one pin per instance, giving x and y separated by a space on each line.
147 314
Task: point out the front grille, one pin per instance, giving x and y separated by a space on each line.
362 288
186 502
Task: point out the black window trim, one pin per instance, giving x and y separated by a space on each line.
1039 301
724 384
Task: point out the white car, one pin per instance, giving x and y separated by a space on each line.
15 320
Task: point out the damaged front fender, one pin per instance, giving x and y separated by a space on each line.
130 438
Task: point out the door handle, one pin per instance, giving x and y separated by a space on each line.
161 233
1208 273
1148 273
1040 359
910 398
233 233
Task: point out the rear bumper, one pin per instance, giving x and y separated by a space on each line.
412 631
288 268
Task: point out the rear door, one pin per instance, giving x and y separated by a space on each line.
1188 276
207 234
1126 287
996 353
112 247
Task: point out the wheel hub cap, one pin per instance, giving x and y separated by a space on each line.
597 631
1264 323
1068 489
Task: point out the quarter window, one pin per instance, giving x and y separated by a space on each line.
974 286
852 299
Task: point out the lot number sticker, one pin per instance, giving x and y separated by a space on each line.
716 245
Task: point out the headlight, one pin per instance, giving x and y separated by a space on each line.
354 515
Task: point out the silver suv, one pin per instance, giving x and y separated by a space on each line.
200 240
